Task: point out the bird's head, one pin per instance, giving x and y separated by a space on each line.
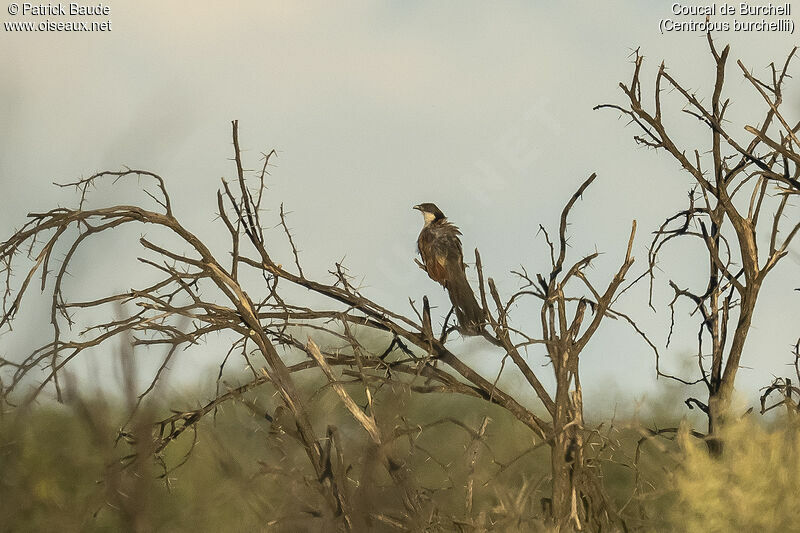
430 212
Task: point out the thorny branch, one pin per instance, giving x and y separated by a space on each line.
734 184
198 293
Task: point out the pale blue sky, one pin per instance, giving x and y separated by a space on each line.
483 108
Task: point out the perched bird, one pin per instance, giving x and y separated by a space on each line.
442 259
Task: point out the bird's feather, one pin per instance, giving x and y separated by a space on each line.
440 248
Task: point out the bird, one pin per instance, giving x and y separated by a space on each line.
440 247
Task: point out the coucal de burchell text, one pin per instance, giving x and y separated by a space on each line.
742 8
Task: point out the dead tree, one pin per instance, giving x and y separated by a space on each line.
741 190
579 501
784 387
251 295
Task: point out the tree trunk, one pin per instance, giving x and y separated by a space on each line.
717 407
719 399
567 456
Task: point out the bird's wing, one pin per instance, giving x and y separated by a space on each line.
440 248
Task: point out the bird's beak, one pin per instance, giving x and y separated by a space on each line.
417 207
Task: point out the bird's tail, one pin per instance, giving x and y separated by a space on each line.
468 312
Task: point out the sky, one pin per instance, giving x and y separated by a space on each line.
483 108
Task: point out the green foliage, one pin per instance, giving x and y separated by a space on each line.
752 487
64 470
48 473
